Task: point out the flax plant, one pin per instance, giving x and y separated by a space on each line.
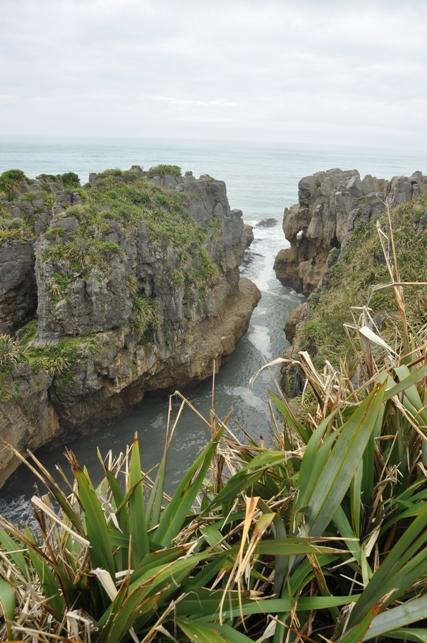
321 537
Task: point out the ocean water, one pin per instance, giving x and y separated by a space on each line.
261 180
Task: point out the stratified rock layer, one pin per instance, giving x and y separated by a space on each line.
329 205
126 302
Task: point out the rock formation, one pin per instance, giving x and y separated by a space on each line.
329 205
138 289
319 228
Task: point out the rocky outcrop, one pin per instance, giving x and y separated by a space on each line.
329 205
319 228
138 289
249 234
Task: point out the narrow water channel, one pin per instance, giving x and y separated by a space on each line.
264 339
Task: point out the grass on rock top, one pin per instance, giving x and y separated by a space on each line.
118 202
117 205
351 279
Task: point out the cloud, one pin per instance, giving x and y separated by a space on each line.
278 70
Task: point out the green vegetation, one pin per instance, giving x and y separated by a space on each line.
10 182
163 170
122 202
321 537
119 202
70 180
119 205
353 278
10 353
15 230
83 253
28 332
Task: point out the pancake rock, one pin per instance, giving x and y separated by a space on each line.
137 286
329 206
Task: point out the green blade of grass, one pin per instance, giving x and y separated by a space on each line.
12 548
416 406
246 477
97 530
158 577
290 547
200 601
126 614
154 504
311 468
199 632
283 605
357 633
410 634
368 464
137 522
48 582
205 576
175 514
157 559
397 617
312 463
118 495
231 635
304 572
356 499
390 570
414 378
290 419
7 602
339 469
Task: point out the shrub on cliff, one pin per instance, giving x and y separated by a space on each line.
163 170
70 180
10 182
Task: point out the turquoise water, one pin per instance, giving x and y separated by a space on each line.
261 180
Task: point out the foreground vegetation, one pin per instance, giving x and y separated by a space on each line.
321 538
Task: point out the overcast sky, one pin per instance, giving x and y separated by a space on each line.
298 71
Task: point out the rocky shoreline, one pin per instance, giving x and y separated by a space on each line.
135 280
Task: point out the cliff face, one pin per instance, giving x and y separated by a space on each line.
329 205
138 289
336 258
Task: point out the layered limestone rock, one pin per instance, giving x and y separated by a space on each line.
138 289
329 205
18 290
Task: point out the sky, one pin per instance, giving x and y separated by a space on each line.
308 72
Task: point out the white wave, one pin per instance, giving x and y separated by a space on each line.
249 398
259 336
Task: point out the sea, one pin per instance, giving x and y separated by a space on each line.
262 179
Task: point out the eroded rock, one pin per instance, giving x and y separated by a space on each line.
138 289
329 205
